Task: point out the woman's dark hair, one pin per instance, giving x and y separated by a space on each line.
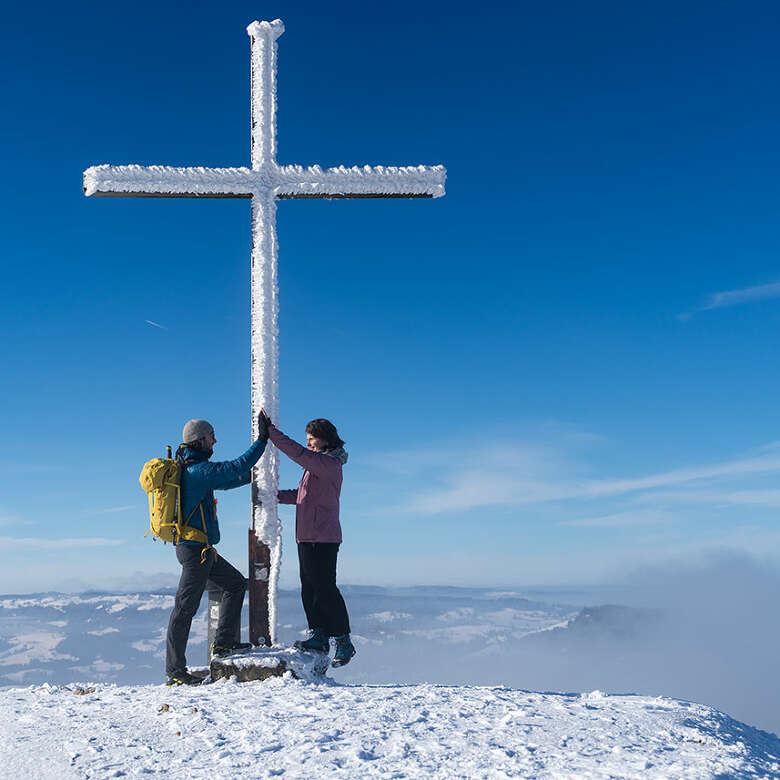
325 430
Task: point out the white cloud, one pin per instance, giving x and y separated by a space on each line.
518 476
725 298
10 518
743 466
43 543
622 519
764 498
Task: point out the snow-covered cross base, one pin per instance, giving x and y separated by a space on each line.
263 663
264 183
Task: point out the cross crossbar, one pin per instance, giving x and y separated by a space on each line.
284 181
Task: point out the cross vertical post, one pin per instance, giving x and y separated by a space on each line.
265 533
264 183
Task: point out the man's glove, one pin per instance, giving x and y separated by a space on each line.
262 426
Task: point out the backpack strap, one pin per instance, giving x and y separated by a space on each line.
194 533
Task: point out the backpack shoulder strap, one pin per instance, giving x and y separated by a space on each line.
183 463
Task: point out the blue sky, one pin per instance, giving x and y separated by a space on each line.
563 370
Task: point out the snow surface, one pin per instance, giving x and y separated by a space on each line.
296 729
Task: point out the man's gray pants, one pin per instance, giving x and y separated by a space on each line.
215 573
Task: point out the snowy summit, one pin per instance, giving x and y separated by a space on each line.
297 729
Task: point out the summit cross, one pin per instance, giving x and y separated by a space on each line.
264 183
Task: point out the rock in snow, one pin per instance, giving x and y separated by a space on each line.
301 729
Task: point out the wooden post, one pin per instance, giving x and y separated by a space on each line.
259 571
213 615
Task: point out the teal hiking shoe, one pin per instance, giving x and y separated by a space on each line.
318 642
344 651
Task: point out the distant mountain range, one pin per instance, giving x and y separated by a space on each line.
59 638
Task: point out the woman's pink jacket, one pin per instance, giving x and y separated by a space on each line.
317 498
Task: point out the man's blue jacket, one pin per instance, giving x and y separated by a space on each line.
200 478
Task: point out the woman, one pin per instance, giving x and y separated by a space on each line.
318 533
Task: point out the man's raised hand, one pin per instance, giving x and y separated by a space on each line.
262 425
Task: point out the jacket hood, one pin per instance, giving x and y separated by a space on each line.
190 453
340 454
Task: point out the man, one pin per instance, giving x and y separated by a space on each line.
201 567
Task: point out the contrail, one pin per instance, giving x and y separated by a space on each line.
718 300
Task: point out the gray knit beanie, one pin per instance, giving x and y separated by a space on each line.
196 429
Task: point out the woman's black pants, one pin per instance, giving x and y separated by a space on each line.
322 602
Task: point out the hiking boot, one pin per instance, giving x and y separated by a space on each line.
220 651
344 651
183 678
318 642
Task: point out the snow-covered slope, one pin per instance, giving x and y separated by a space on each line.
295 729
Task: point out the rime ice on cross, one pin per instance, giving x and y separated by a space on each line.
264 183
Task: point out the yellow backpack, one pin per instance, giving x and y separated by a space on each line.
161 479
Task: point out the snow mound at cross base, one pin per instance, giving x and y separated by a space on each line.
302 730
260 663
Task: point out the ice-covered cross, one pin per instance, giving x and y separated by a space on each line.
265 182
